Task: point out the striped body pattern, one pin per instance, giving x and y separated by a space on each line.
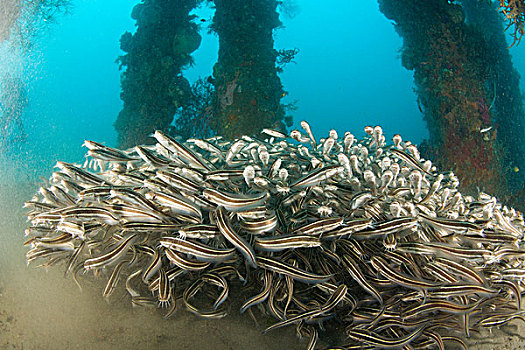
360 233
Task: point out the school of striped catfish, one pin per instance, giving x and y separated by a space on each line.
363 235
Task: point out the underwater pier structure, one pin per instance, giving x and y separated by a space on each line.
153 87
247 88
467 90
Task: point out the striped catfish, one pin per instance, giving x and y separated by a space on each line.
233 237
198 250
113 255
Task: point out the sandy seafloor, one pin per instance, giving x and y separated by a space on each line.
41 309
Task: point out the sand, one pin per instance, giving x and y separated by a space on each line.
41 309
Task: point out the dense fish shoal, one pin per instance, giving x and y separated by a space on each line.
363 236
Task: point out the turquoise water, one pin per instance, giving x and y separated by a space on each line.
73 88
